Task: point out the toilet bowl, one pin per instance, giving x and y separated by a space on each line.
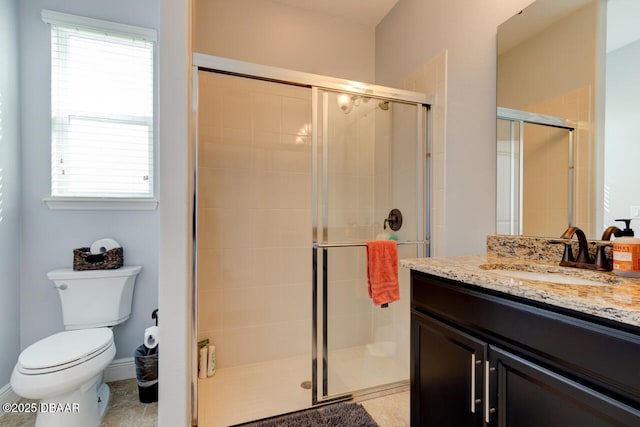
64 371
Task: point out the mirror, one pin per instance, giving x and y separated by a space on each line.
556 61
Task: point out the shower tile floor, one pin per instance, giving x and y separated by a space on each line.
249 392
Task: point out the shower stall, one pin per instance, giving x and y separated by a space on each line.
294 173
536 165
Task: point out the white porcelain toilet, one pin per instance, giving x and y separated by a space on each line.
64 370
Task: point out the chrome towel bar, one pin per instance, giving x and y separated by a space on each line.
354 244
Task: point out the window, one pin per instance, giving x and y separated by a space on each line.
102 108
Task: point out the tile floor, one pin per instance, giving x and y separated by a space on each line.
125 410
389 411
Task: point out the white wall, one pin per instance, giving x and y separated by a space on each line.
622 128
176 359
271 33
416 31
529 72
49 237
9 191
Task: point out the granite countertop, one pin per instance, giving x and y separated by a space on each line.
618 299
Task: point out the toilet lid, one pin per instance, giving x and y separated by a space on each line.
64 349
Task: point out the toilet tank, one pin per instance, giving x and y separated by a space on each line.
95 298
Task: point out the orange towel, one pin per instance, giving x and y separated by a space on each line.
382 271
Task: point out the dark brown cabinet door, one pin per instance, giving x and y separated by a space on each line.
527 395
446 377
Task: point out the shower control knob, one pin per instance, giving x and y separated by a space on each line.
394 220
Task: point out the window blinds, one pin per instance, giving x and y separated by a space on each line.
102 105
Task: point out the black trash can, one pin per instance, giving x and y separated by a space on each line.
147 373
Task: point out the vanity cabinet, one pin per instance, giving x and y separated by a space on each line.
446 375
480 357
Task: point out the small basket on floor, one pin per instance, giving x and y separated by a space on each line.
83 259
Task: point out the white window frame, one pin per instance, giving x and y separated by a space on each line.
109 203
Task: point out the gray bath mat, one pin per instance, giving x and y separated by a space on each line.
339 414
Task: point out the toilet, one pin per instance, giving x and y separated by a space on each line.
65 370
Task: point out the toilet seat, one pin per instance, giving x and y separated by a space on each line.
64 350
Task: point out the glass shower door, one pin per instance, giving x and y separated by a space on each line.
536 188
369 157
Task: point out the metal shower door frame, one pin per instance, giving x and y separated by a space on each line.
203 62
523 117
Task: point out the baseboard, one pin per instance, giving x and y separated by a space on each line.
120 369
7 395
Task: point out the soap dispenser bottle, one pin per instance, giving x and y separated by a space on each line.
627 231
626 252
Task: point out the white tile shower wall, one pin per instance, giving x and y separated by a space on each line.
254 225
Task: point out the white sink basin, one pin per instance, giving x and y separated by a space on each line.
550 277
553 274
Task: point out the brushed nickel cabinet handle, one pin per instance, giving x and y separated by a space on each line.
474 401
486 392
473 383
487 410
